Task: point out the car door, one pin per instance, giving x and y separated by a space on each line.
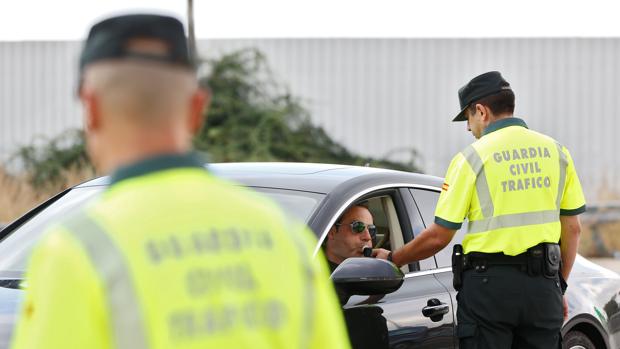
419 314
426 201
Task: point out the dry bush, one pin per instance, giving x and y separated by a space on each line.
18 196
601 238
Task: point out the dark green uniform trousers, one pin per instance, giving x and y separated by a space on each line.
504 307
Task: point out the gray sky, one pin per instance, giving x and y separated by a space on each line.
70 19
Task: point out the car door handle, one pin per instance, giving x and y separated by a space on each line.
435 309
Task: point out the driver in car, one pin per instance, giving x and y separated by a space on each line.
350 235
353 232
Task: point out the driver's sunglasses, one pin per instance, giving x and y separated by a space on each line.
358 227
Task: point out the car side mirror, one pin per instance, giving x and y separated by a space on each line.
367 276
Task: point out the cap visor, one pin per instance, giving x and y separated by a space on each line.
461 116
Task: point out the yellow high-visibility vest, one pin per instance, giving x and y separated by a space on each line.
171 257
511 185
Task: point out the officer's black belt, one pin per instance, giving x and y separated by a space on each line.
542 258
478 258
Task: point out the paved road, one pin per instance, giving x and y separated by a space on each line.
609 263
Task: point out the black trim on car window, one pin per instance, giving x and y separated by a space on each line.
26 217
417 226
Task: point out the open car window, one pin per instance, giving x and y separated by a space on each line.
397 221
389 231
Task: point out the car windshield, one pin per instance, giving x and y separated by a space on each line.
15 248
297 204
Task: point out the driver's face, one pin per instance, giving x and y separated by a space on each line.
344 242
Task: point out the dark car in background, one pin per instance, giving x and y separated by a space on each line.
418 314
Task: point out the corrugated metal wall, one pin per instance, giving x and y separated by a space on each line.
378 96
37 92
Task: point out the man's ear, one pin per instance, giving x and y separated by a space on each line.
199 107
484 112
92 111
331 232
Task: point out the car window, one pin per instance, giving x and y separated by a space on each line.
15 248
393 222
416 226
297 204
427 201
381 207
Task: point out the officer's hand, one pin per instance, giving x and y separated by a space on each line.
380 253
565 307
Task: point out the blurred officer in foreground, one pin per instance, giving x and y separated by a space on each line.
169 256
521 195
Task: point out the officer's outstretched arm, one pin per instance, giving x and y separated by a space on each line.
571 230
432 240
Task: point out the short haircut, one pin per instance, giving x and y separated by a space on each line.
499 103
363 204
147 92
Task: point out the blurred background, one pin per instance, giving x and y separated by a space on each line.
369 83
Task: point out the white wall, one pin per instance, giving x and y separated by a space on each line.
37 92
377 95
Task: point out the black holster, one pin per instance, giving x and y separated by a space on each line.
544 259
553 260
457 267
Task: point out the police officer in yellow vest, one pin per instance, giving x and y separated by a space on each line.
169 256
520 194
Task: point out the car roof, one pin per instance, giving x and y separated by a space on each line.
311 177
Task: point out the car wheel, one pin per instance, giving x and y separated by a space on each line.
577 340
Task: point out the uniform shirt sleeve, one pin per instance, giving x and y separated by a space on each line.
456 194
329 330
573 201
64 304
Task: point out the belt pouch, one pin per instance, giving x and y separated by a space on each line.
535 257
553 259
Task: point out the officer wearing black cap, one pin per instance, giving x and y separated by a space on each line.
481 86
520 193
169 256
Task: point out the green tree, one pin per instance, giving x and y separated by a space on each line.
252 118
46 164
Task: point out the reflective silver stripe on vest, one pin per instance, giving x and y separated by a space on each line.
562 178
109 262
307 299
482 186
512 220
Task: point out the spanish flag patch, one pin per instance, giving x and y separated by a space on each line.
444 187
